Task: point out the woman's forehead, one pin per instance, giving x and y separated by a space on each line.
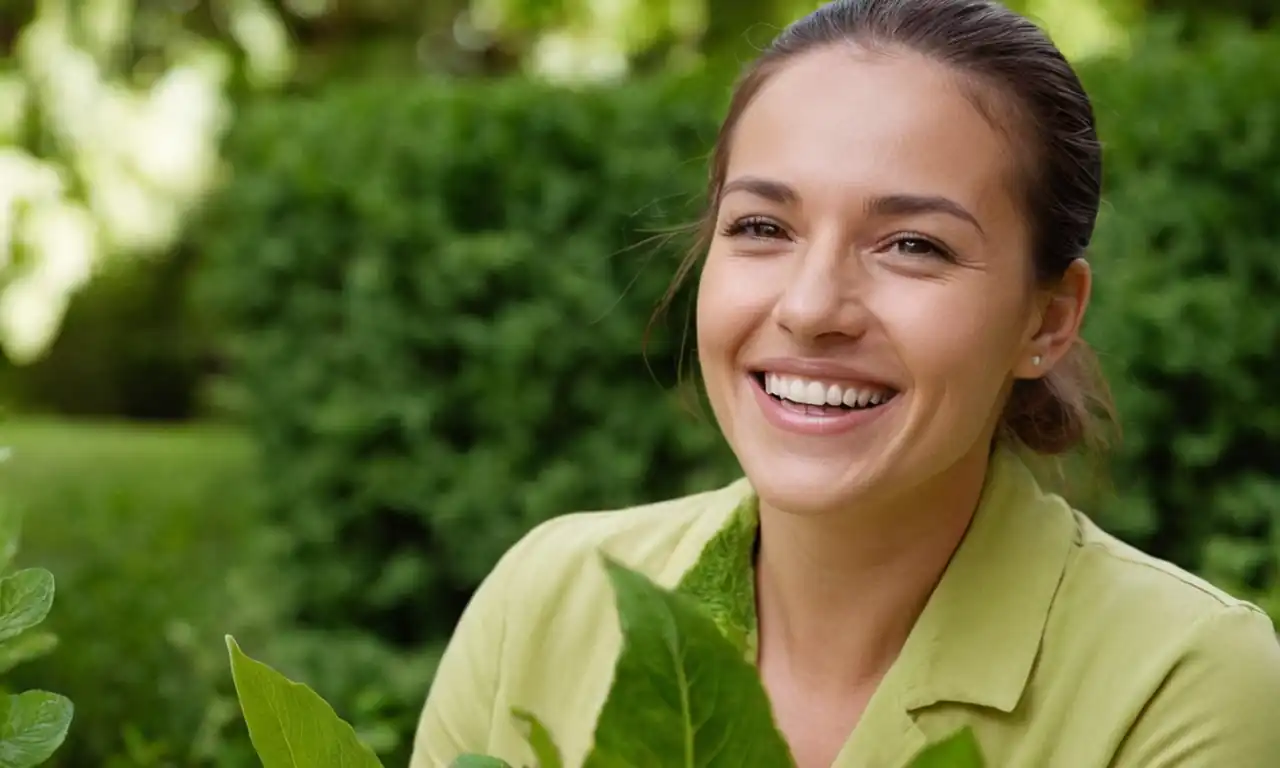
840 119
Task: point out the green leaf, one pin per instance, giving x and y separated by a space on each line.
289 724
545 750
959 750
25 647
32 727
25 599
478 761
682 693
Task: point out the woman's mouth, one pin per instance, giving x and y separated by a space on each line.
813 406
817 397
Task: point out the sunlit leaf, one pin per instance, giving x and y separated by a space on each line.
32 727
682 695
289 724
25 600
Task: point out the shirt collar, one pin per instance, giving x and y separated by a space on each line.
978 637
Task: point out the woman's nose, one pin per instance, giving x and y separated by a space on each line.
820 297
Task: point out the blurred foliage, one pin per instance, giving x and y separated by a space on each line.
445 305
437 317
154 536
1254 13
351 40
133 333
436 321
573 39
110 117
1183 310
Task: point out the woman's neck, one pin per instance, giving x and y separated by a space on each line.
838 595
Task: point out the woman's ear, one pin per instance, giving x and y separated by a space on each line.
1061 313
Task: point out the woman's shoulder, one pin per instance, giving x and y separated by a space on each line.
1182 665
661 540
1119 584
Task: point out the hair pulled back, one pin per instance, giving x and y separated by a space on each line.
1022 83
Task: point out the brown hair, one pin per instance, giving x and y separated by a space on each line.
1002 54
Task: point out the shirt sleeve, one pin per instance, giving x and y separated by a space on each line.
458 713
1220 703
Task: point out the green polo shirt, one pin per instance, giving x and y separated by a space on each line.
1060 645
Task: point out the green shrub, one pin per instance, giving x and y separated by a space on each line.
1184 311
435 297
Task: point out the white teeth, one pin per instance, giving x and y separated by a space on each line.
811 392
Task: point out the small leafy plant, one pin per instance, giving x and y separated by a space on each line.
682 694
33 724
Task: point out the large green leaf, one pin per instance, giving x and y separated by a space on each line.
289 724
25 599
682 696
959 750
32 727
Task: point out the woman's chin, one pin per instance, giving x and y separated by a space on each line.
809 487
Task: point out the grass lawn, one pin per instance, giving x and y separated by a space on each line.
153 537
96 495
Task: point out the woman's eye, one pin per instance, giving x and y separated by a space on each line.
759 229
916 246
921 248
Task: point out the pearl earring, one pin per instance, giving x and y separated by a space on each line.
1036 361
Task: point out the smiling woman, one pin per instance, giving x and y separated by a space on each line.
892 282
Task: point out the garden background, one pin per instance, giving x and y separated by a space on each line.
311 309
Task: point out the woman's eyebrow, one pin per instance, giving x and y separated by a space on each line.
771 190
908 205
882 205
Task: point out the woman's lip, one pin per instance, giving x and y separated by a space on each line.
790 421
821 370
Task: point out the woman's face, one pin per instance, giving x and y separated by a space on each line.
869 251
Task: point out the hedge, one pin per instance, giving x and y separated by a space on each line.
435 295
1184 311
